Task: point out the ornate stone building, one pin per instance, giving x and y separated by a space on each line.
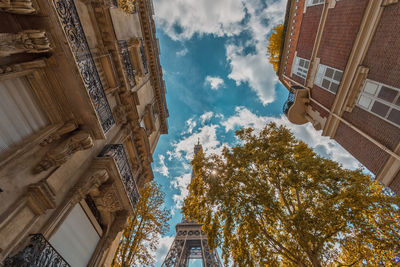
340 63
82 106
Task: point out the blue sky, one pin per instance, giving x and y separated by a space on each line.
218 79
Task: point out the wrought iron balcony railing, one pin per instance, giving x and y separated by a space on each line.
70 22
143 55
38 253
291 98
117 152
127 62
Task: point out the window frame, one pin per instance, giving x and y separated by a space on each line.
374 97
35 75
319 77
310 3
300 70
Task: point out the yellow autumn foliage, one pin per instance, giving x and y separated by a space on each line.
274 46
140 238
271 201
128 6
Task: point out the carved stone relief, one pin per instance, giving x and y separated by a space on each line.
61 153
64 129
17 6
28 41
108 198
40 197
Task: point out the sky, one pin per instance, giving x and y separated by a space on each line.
218 80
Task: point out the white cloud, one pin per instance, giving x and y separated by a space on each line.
190 124
323 145
182 52
207 135
181 19
162 249
206 116
162 168
253 68
181 183
215 82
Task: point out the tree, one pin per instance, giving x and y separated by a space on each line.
145 226
128 6
274 47
271 201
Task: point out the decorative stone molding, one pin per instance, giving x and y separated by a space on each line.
64 129
86 185
119 114
389 2
108 199
29 41
61 153
356 87
40 197
118 224
18 6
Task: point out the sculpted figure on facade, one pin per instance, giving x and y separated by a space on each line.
28 41
61 153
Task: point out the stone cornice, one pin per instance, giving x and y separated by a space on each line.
145 13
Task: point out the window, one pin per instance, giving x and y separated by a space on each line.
20 112
382 100
300 67
328 78
314 2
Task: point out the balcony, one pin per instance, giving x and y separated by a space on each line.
70 22
127 63
295 105
37 253
143 56
117 152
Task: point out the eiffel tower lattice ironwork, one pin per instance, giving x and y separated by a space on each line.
190 243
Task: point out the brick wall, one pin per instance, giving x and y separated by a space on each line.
298 79
383 56
361 148
340 32
323 96
308 31
382 131
395 184
294 35
321 111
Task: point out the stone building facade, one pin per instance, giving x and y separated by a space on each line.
340 61
82 107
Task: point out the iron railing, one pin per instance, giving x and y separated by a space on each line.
291 98
117 152
127 63
70 22
38 253
143 55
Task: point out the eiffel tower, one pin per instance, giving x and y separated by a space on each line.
190 243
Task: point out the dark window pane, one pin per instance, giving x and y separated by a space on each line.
306 64
338 76
334 87
301 63
326 84
394 116
387 94
380 109
329 72
398 101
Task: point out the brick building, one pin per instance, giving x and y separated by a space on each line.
82 107
340 61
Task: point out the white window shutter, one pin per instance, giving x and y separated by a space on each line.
20 112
